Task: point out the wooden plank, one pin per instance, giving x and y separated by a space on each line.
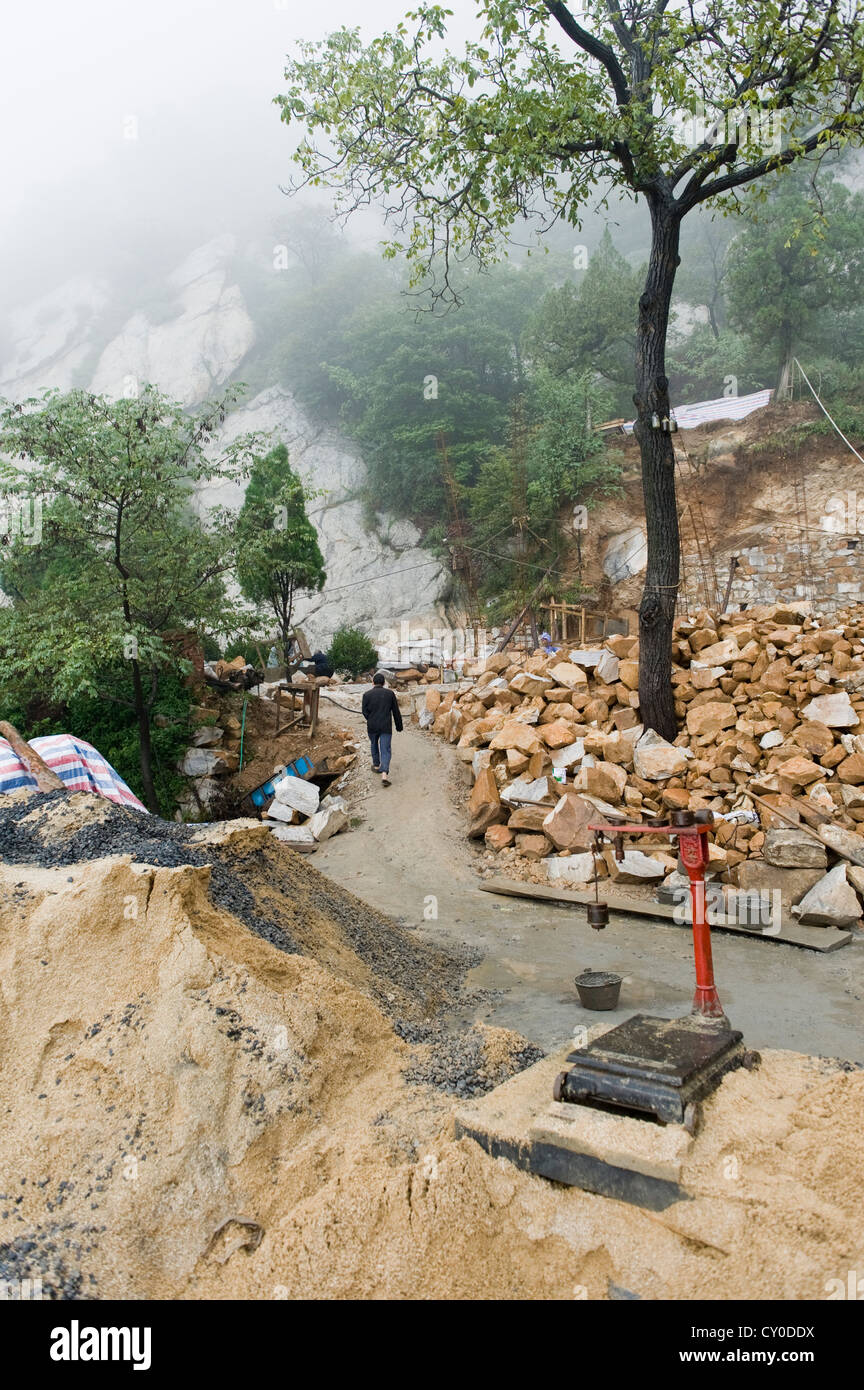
302 645
857 859
46 779
793 934
811 814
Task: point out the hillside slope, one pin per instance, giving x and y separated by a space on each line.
768 490
191 341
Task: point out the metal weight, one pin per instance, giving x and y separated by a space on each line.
598 915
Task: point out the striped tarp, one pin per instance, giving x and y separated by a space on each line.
689 417
78 764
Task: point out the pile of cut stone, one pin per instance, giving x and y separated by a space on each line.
213 753
300 816
769 701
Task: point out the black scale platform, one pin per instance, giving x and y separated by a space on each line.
653 1066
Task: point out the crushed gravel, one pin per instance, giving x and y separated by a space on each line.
403 972
148 839
459 1063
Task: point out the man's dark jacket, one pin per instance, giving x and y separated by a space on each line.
379 704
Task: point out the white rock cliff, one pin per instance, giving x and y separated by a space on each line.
378 576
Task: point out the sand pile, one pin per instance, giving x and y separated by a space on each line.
192 1109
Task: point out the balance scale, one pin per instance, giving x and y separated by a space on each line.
626 1107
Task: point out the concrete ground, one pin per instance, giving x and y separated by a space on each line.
409 857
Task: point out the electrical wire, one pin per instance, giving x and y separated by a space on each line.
825 411
391 574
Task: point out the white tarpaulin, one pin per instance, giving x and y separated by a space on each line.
725 408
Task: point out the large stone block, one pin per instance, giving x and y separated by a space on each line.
760 877
297 794
710 718
484 804
655 759
834 710
567 823
832 902
793 849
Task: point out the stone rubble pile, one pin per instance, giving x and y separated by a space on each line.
213 754
300 816
297 814
769 701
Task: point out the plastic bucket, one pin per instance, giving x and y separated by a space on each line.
598 989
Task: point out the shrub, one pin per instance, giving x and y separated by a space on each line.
352 651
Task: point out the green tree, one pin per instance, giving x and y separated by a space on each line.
278 555
456 147
405 378
797 267
123 562
700 365
352 651
701 281
592 326
553 459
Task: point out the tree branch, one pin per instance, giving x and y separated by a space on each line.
593 46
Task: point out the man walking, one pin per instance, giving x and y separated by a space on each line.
379 707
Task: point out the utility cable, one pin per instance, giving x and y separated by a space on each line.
825 411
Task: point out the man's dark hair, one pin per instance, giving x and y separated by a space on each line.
378 678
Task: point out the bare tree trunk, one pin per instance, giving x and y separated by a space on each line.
146 748
283 605
657 609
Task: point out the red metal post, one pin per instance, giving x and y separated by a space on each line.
693 848
693 845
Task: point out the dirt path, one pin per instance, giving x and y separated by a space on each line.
409 858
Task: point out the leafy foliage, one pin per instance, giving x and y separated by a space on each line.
124 566
459 146
592 326
106 723
701 366
278 555
797 267
352 651
552 460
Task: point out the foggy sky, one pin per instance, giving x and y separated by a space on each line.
126 125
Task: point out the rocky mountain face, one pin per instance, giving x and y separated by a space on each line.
378 575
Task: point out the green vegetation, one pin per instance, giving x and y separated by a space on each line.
528 118
796 277
107 723
407 382
352 651
278 556
591 325
124 568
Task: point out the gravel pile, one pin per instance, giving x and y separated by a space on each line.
39 1265
460 1063
289 903
119 831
